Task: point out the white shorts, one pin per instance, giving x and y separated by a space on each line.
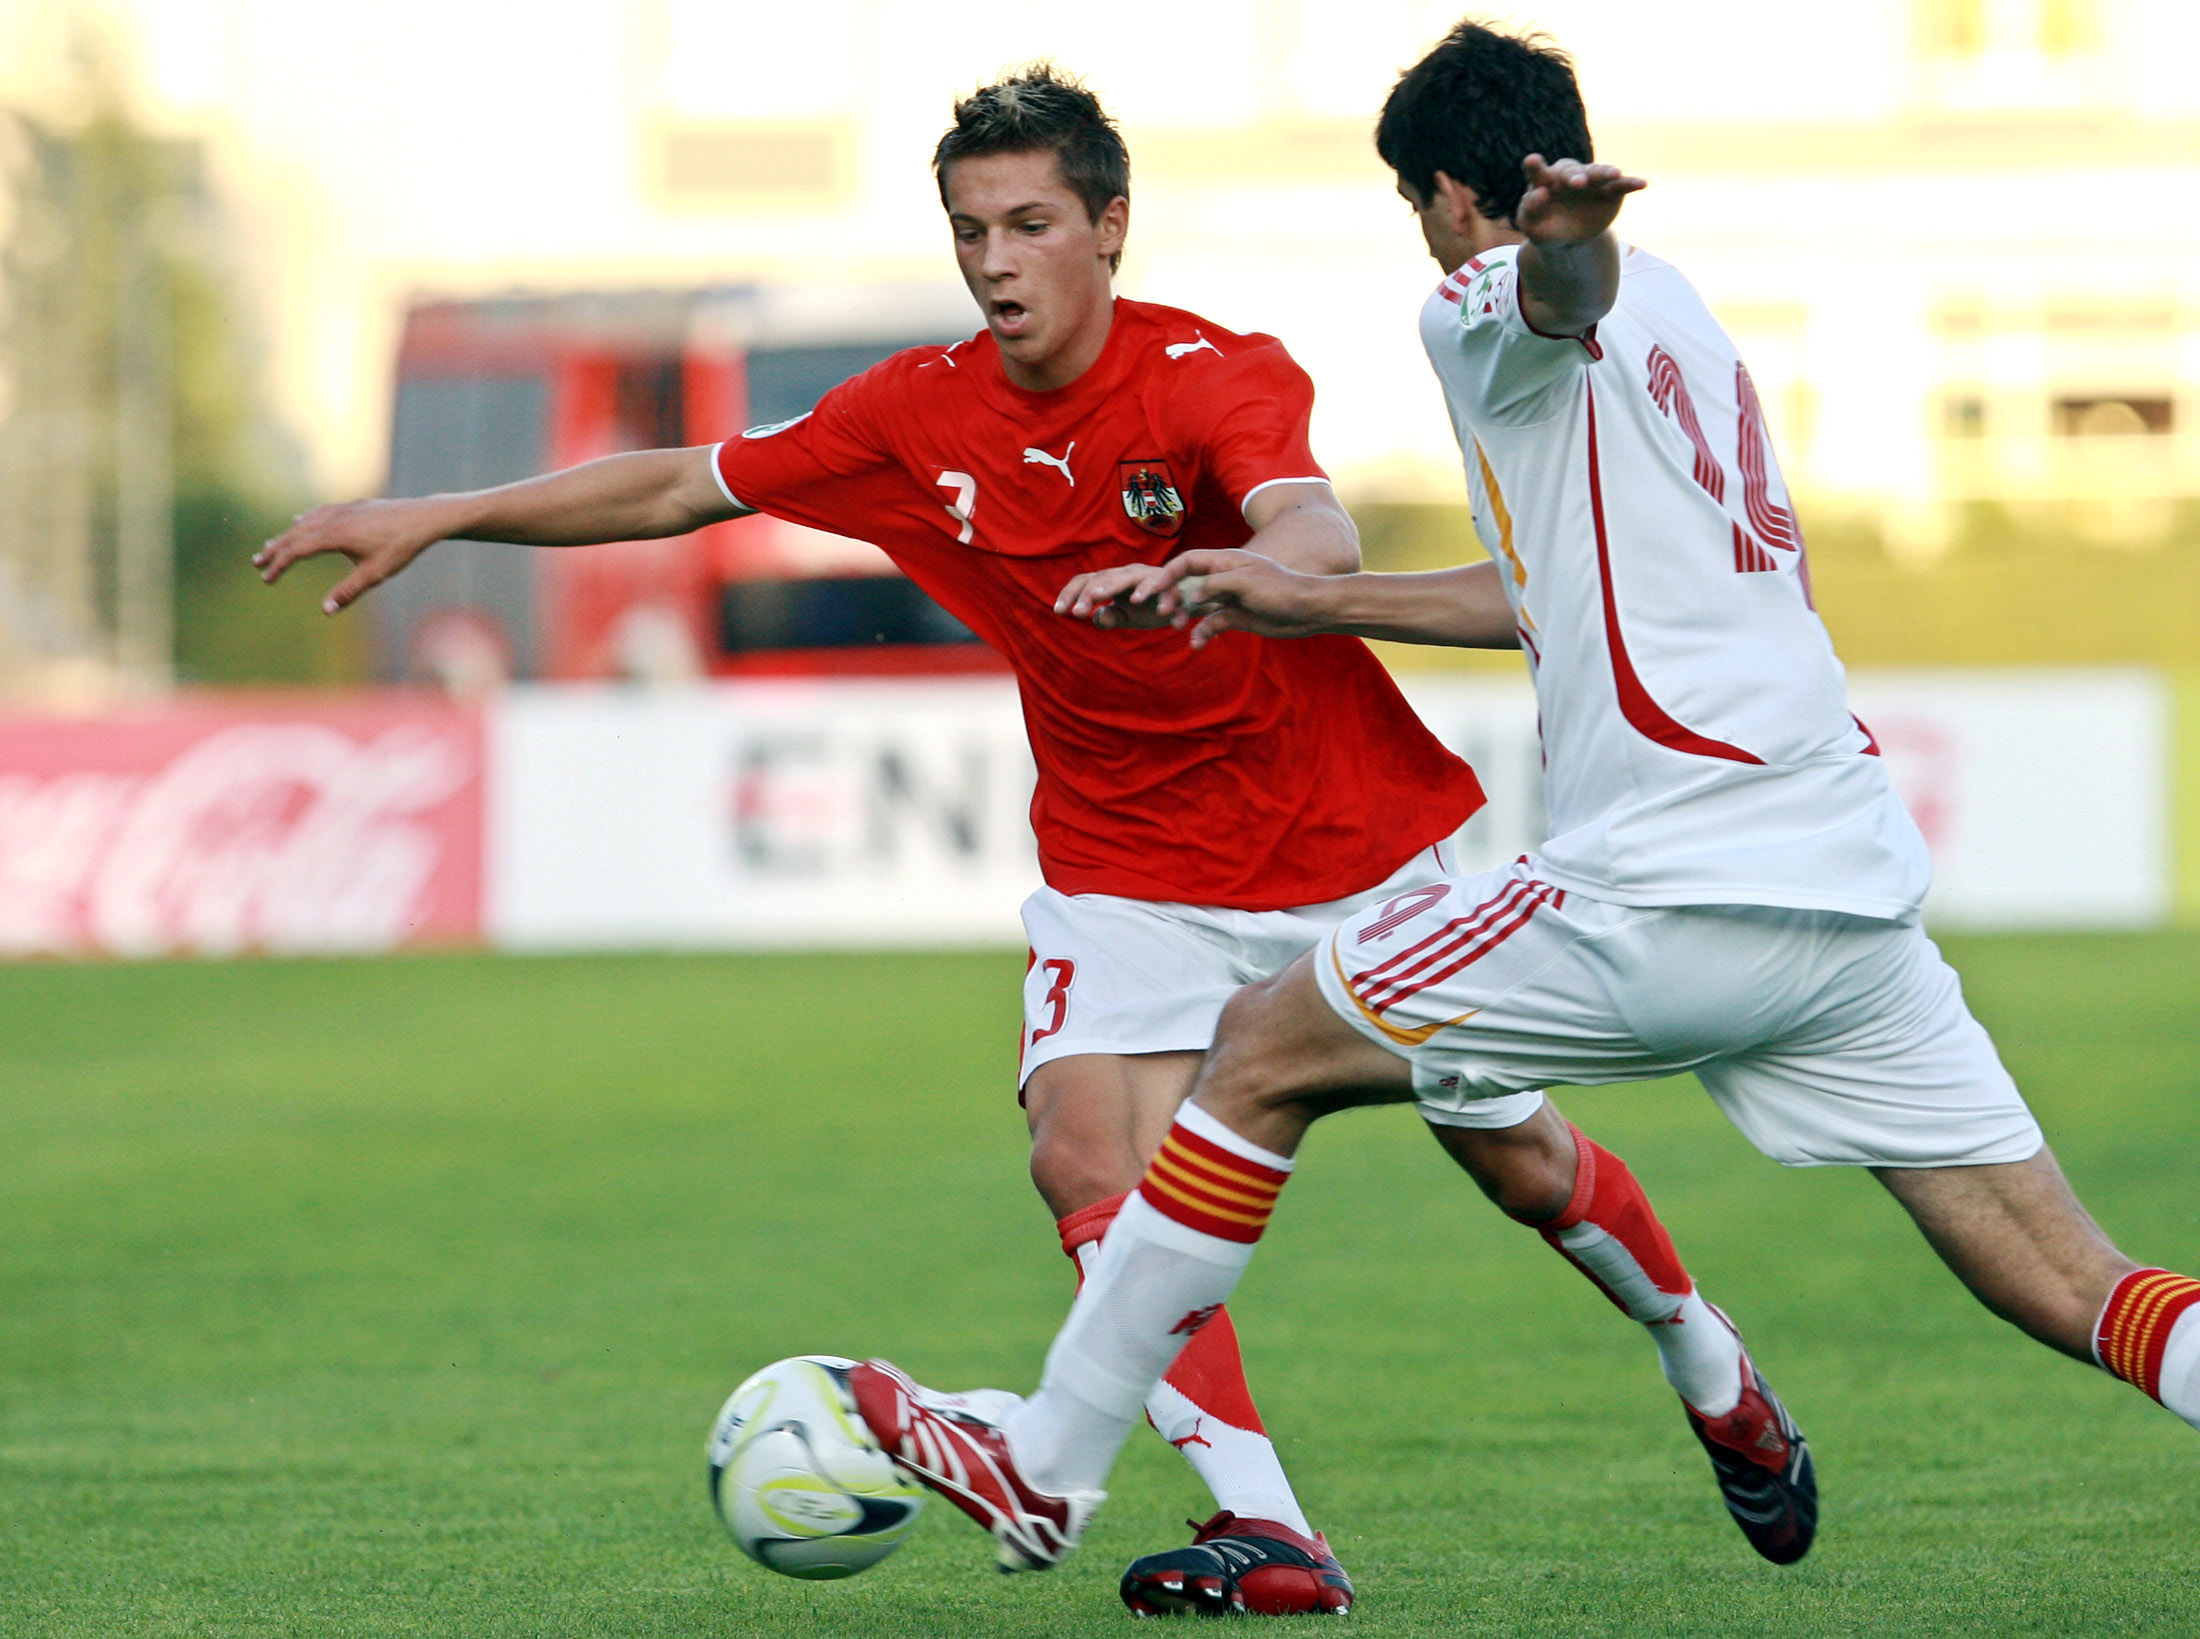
1112 975
1827 1039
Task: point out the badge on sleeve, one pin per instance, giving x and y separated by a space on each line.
1150 497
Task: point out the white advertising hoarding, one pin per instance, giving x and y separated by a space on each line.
779 814
891 812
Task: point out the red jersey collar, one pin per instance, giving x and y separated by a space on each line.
1106 374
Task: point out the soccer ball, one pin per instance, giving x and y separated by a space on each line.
798 1479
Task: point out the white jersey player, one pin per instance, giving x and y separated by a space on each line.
1731 886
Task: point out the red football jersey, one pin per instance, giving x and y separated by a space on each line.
1252 774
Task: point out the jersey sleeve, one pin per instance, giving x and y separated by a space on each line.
1245 414
1504 369
800 469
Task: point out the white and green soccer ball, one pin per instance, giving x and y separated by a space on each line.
799 1480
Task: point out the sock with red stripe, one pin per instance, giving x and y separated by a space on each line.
1611 1234
1167 1265
2149 1335
1203 1407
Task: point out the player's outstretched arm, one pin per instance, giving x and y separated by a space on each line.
1569 267
637 497
1217 592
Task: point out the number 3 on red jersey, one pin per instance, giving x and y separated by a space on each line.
1064 973
965 503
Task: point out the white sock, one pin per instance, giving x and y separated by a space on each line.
2180 1379
1240 1467
1162 1273
1701 1357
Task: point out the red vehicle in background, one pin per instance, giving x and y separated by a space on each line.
494 390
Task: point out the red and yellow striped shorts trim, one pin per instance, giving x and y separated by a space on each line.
2135 1327
1204 1187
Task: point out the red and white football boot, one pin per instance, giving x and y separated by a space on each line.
1240 1567
1763 1467
953 1443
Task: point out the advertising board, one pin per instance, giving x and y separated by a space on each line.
213 827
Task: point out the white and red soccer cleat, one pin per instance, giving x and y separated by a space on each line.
1237 1567
953 1443
1763 1467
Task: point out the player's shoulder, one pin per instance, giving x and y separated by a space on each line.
927 371
1477 289
1191 367
1184 345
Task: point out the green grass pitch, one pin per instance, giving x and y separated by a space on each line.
395 1297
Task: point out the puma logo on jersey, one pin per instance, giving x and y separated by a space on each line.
1035 458
1177 350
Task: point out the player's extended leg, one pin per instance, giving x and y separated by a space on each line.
1549 1174
2017 1237
1095 1120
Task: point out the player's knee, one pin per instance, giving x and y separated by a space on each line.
1073 1167
1527 1171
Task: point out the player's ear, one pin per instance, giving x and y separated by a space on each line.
1114 225
1462 205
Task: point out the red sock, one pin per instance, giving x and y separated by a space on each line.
2134 1328
1208 1372
1632 1262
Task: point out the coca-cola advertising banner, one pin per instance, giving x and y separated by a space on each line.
215 827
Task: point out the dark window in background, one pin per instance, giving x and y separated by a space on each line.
651 404
2114 416
785 382
836 612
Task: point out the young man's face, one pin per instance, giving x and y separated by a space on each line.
1037 264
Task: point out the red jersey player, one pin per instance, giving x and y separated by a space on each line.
1202 817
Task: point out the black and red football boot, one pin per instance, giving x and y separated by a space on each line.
1237 1567
1764 1469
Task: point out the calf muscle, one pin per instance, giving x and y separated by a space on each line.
2017 1237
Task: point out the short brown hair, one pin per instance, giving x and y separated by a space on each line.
1038 107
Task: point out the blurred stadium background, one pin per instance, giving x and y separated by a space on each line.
256 254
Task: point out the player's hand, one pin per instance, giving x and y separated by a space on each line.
1137 595
1569 203
1236 591
379 537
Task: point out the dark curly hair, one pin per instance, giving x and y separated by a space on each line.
1039 107
1478 105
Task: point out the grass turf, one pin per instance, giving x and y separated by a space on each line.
395 1297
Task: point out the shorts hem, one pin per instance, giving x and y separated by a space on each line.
2018 1150
1047 1052
1494 1114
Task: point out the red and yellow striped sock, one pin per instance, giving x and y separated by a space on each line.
1196 1181
2134 1328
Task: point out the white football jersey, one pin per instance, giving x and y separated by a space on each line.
1697 742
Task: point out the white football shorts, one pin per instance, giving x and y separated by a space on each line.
1828 1039
1111 975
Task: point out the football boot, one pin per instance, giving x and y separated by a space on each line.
1764 1469
1240 1567
953 1443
